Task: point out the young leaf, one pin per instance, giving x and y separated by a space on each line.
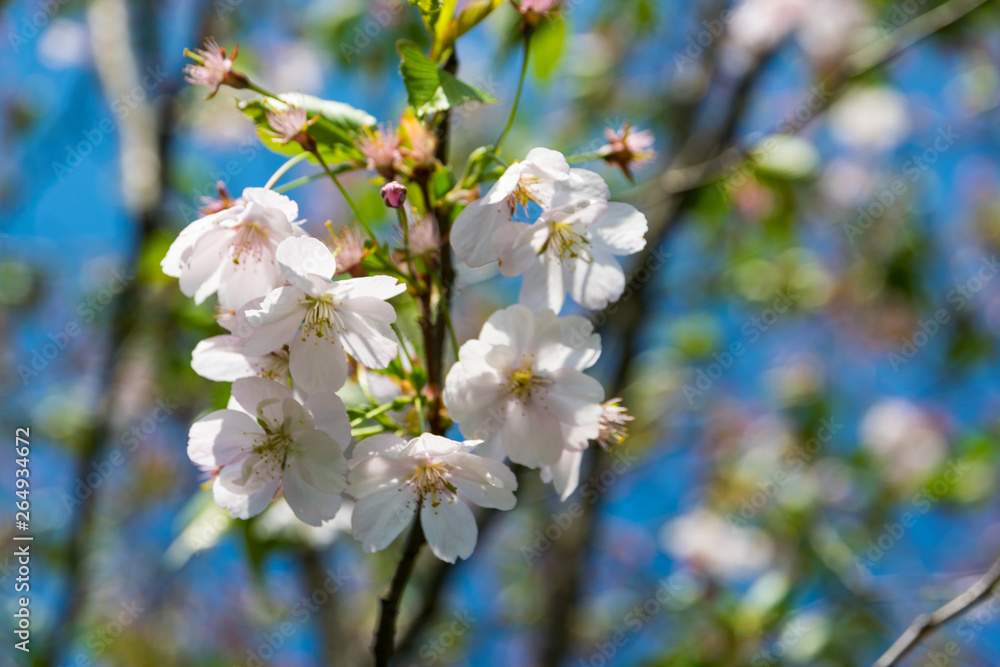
333 131
547 45
429 87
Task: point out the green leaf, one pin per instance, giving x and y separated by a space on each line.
333 131
430 88
547 47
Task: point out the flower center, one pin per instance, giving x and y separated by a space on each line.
276 365
567 242
524 383
272 450
250 240
322 314
431 480
523 194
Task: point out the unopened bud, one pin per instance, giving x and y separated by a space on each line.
394 194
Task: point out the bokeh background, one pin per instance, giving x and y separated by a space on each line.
811 353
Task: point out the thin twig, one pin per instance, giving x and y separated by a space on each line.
684 177
678 184
385 635
925 624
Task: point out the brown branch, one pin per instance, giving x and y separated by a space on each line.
118 67
683 177
433 329
925 624
694 163
385 635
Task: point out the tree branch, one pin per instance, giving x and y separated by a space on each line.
684 177
925 624
385 634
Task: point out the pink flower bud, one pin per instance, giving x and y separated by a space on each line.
394 194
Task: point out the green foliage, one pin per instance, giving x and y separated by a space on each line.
429 88
547 45
334 130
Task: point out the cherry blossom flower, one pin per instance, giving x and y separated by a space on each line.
266 443
536 10
391 478
705 540
292 124
532 181
381 148
221 358
212 68
614 424
423 234
210 205
874 117
232 252
349 251
420 143
324 319
572 248
905 440
628 149
520 387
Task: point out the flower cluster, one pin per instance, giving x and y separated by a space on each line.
556 227
305 320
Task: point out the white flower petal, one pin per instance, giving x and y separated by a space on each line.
622 229
376 473
382 444
268 198
244 500
471 235
484 481
329 414
249 393
317 364
309 504
379 518
575 397
201 275
450 529
300 256
531 436
277 320
221 359
597 283
249 277
366 335
220 438
544 285
565 473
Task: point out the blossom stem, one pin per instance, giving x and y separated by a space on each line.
266 93
347 197
375 412
585 157
291 162
299 182
385 631
418 403
367 431
405 225
517 95
402 342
